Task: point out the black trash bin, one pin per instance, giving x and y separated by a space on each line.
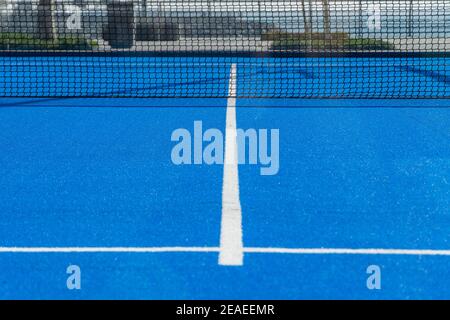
170 31
119 31
147 31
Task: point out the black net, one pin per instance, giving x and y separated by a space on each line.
181 48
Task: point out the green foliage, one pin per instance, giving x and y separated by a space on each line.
319 41
20 41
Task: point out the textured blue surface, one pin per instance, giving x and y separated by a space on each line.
208 77
197 276
351 178
98 172
348 77
113 76
104 177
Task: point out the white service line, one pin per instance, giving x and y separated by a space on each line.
249 250
344 251
105 249
231 244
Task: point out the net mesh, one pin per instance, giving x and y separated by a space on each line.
181 48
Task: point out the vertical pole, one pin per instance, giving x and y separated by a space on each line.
306 19
360 27
410 18
260 18
326 18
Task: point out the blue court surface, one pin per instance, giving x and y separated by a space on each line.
91 183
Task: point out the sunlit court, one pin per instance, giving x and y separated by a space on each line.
220 149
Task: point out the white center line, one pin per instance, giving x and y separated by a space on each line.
231 244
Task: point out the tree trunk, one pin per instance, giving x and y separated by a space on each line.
45 20
410 12
306 19
326 18
360 22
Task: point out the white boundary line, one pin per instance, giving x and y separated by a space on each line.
348 251
106 249
256 250
231 244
